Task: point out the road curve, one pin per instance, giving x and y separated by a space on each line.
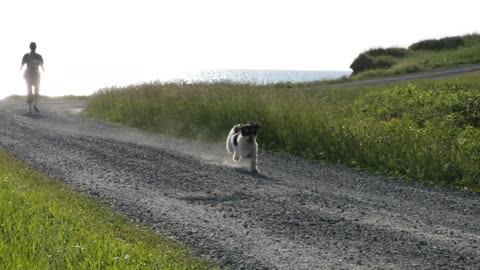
432 74
295 215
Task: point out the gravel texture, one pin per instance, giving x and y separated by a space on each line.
295 214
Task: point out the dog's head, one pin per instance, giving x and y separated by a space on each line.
250 129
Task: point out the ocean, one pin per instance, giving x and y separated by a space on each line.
258 76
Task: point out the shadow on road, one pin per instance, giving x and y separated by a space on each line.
254 175
33 115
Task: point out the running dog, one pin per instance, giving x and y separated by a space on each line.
242 142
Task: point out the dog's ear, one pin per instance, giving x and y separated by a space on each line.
237 128
256 125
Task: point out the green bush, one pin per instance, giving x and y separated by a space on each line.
468 109
378 58
361 63
471 39
438 44
438 101
429 129
393 51
365 62
383 62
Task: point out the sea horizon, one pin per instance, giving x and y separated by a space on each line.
256 76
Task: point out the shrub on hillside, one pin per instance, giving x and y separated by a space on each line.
471 39
361 63
467 109
438 44
437 102
383 62
393 51
365 62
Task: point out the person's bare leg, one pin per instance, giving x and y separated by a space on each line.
36 97
29 96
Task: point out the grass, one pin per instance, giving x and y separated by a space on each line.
424 60
44 225
428 130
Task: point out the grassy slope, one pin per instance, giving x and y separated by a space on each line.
44 225
427 60
428 131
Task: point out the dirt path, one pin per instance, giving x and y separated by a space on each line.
294 215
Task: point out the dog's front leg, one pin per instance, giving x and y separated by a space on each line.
253 164
236 156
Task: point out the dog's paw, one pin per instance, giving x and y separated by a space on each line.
254 171
236 157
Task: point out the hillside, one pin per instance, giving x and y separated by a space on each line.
420 56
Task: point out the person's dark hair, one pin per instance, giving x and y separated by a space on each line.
33 46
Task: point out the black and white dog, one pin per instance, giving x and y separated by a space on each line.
242 142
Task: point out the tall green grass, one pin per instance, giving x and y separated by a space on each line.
44 225
428 131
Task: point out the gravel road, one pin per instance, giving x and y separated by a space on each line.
295 214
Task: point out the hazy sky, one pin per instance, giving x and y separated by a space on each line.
91 44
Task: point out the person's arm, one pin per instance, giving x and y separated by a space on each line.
24 60
42 64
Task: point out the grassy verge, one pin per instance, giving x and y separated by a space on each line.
44 225
428 131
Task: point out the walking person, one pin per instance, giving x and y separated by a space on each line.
33 61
